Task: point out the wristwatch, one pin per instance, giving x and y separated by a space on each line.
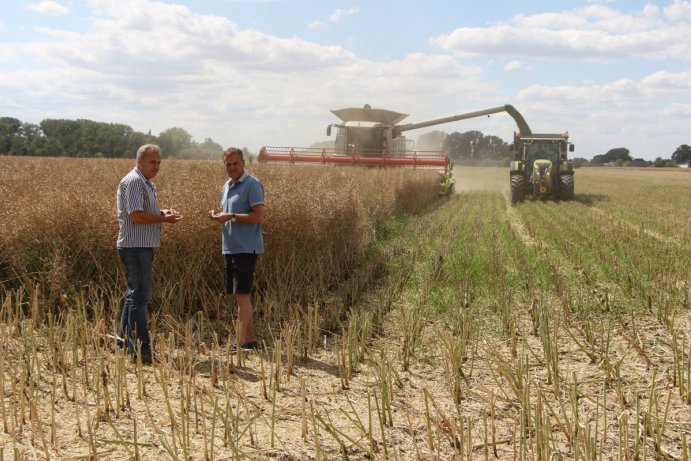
232 217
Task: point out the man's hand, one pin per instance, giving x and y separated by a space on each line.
217 216
171 216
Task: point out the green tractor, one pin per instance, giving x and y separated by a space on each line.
540 168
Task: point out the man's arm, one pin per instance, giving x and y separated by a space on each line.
254 216
167 216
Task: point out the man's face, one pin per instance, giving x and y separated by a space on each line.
149 163
235 166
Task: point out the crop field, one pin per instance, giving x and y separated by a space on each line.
396 324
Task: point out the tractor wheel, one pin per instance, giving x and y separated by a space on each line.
517 188
566 187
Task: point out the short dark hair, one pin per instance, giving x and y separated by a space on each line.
232 151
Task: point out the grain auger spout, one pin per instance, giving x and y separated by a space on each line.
523 127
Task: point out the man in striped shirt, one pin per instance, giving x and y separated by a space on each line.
140 221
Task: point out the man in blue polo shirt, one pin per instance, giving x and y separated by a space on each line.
140 221
241 217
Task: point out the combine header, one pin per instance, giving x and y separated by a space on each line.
438 160
368 157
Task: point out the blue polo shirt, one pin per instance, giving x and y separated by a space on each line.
239 197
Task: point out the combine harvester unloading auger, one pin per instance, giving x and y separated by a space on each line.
372 137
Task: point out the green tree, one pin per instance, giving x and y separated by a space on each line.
88 138
21 144
210 149
9 130
463 145
612 155
64 136
682 154
662 163
174 142
453 145
474 145
43 147
495 148
579 162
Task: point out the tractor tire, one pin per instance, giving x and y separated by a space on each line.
566 187
517 188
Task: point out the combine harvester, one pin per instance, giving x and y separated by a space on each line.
372 137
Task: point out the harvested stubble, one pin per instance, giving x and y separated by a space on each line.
542 365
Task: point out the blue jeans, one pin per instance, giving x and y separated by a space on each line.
134 320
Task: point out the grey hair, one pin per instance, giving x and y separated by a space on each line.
146 148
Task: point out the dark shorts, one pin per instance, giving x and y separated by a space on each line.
239 272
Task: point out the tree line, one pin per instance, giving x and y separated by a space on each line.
622 156
470 145
87 138
474 145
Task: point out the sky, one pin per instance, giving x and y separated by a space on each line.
249 73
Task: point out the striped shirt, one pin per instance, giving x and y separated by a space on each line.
136 193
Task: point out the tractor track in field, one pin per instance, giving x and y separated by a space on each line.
647 232
596 291
516 223
521 231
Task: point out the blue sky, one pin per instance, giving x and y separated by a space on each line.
614 73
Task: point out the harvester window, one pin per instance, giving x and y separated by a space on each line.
365 140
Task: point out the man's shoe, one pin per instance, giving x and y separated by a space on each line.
147 358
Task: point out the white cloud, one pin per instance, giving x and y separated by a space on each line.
339 13
50 7
6 52
336 16
515 65
171 40
679 10
593 33
669 82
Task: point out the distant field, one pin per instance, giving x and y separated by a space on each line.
397 324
